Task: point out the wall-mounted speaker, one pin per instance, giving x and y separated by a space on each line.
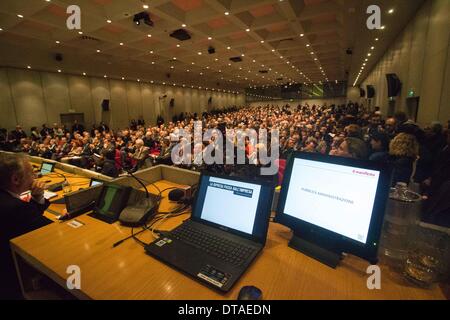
362 92
105 105
370 92
394 85
172 103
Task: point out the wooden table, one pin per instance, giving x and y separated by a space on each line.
126 272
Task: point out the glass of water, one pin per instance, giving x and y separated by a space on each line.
67 188
428 259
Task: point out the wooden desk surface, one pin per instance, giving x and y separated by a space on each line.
126 272
75 181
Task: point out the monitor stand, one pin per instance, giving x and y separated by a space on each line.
312 250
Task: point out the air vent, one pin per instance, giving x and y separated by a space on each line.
263 71
287 39
89 38
280 79
181 35
236 59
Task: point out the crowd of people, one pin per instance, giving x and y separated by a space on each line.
420 156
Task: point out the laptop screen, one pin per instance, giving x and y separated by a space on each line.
46 167
234 204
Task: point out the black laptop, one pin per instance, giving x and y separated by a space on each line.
227 230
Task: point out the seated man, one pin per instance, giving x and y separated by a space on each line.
140 155
18 216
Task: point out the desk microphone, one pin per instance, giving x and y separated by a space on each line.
139 212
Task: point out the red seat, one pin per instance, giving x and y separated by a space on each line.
118 160
281 164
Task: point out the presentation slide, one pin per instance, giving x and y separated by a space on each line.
335 197
231 203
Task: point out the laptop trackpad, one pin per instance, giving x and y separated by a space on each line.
195 262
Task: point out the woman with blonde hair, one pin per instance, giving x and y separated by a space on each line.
403 153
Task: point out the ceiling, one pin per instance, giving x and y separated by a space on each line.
296 40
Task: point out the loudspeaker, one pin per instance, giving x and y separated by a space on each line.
105 105
58 57
394 85
172 103
210 100
362 92
370 92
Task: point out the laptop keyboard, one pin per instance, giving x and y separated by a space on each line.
219 247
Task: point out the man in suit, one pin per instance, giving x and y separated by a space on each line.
17 216
140 155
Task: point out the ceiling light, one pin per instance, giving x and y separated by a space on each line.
29 67
383 27
183 25
209 38
199 53
57 42
84 73
227 13
105 76
80 32
248 30
151 52
376 39
391 11
98 51
178 45
59 71
109 21
372 48
369 54
301 35
121 43
123 78
307 45
229 48
20 16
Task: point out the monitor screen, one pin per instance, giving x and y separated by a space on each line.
95 182
335 197
47 167
112 200
226 200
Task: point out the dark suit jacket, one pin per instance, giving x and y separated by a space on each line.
17 218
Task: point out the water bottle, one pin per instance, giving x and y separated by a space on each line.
402 213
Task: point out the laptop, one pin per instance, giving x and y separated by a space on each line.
46 168
226 232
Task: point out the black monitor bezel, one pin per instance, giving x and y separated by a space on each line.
263 203
328 239
125 198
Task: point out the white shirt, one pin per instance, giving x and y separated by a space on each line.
40 200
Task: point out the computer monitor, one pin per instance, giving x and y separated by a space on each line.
333 205
82 200
112 200
95 182
46 168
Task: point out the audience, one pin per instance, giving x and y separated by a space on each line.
350 130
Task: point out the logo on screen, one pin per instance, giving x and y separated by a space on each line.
364 173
